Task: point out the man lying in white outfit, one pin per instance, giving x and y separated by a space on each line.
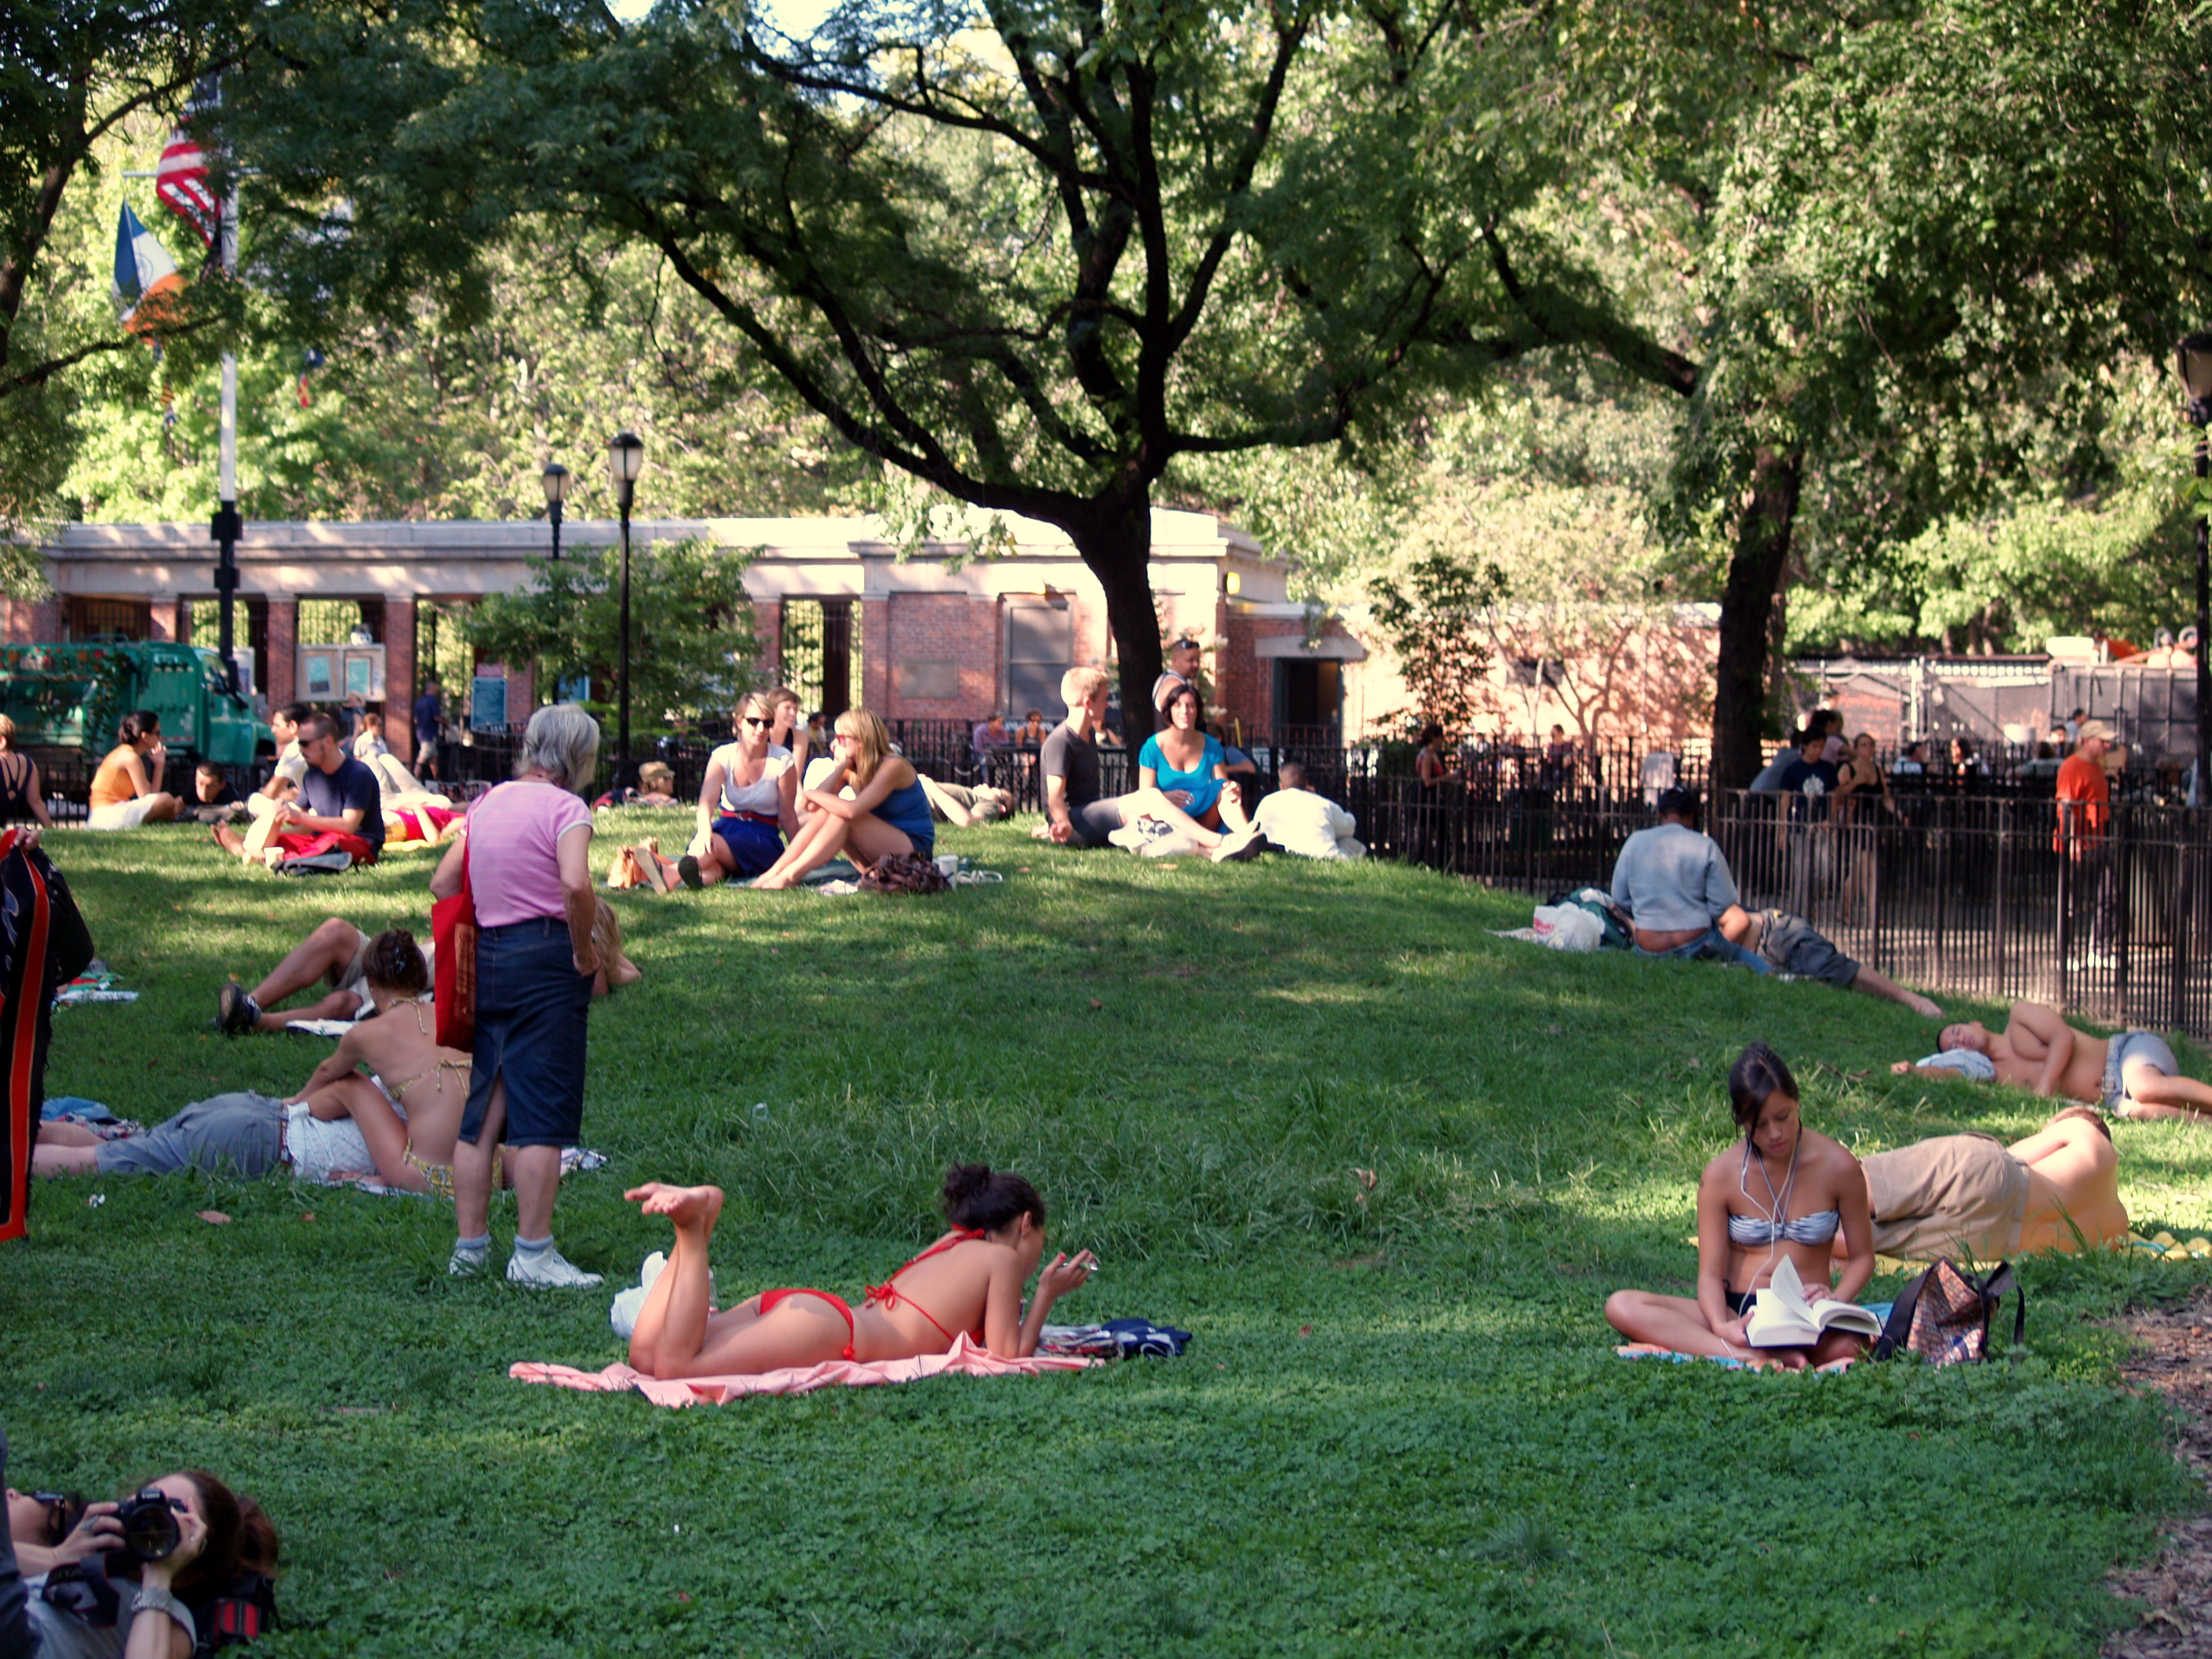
1298 821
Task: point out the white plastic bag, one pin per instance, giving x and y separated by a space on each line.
1568 928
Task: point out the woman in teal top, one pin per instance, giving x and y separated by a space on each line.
1190 766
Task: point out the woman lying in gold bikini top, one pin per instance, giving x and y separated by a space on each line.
410 1124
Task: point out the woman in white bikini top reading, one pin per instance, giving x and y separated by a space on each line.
1783 1193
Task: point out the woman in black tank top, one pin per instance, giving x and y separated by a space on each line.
20 800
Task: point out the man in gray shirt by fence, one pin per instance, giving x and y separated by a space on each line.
1675 883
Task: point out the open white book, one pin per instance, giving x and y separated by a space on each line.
1783 1318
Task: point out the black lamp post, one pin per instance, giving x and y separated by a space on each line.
557 491
625 461
2196 361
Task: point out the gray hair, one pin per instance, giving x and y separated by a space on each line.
563 740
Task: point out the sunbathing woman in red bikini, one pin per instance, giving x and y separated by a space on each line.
970 1280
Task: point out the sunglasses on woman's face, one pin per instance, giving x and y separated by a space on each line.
755 719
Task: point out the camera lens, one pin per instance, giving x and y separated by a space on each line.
150 1524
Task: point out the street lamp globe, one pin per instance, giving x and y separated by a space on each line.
625 461
558 483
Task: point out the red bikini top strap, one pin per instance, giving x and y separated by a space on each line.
961 1235
887 1293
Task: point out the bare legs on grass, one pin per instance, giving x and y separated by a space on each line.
1675 1324
1881 984
677 1336
321 958
866 837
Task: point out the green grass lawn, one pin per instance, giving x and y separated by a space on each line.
1401 1428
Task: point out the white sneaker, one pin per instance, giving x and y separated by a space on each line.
548 1270
467 1264
630 1303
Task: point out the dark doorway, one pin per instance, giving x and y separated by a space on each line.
818 657
1309 698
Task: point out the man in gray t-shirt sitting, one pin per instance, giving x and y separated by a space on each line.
1075 813
1676 884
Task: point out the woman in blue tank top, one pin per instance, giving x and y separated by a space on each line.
1190 766
888 814
1782 1192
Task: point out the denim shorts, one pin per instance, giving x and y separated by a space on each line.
1792 945
2124 1051
1713 944
531 1007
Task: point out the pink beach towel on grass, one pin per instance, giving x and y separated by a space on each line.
967 1357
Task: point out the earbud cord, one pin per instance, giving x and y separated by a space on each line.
1781 1204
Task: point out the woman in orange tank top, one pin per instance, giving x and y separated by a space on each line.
126 791
968 1282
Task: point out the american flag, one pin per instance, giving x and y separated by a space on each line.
182 181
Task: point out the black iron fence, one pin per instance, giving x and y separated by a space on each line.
1984 897
1973 897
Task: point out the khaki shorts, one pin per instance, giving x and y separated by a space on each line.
354 976
1963 1196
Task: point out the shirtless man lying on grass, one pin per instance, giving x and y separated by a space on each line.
1971 1195
2133 1074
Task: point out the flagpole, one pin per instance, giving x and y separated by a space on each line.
228 527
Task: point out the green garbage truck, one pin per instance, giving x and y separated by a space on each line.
67 699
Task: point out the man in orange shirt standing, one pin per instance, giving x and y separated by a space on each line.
2085 814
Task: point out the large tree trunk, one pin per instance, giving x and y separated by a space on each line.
1762 546
1115 542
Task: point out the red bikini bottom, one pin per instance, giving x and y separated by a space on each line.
769 1299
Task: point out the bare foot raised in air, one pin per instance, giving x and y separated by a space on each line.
687 1206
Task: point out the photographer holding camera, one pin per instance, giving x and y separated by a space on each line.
180 1567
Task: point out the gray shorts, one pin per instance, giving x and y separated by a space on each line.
1792 945
1094 821
241 1134
2124 1050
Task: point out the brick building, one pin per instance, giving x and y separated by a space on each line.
935 636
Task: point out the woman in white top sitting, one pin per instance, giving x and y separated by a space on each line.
748 803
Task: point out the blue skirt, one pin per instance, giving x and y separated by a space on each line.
754 846
532 1010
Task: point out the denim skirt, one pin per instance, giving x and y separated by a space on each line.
531 1006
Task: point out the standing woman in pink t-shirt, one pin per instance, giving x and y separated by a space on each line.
527 847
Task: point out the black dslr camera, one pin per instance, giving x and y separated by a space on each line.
149 1521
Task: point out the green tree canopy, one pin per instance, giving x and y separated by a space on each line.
1030 255
74 74
691 627
1939 235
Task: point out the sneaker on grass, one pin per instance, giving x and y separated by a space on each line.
236 1012
466 1263
548 1270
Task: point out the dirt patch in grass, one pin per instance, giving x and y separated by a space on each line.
2176 1360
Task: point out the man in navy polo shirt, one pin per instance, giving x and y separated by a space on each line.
339 795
